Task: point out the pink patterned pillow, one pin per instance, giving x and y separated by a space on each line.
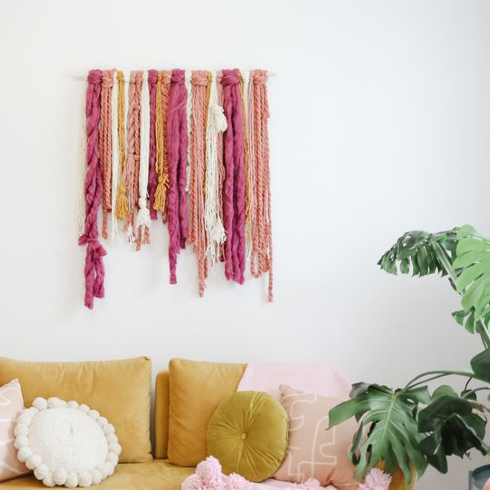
314 451
11 406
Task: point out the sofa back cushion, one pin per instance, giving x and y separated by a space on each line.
196 390
11 406
119 390
315 451
162 401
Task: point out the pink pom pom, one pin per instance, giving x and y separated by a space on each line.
193 482
209 473
237 482
376 480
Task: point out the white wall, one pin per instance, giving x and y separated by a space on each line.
380 124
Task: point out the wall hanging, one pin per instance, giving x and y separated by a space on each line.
188 150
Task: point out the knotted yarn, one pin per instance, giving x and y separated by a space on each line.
261 257
162 170
152 174
122 204
143 217
188 86
94 267
215 126
105 145
132 148
166 79
221 164
197 234
115 154
234 185
248 94
82 162
177 143
248 200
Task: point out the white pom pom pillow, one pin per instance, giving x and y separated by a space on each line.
66 444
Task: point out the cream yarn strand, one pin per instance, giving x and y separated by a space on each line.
188 86
115 156
143 217
82 165
216 123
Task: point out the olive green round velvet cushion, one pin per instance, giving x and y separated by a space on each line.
248 434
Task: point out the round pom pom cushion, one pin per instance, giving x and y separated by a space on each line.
66 444
248 434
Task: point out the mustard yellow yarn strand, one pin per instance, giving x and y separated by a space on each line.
161 190
122 203
248 201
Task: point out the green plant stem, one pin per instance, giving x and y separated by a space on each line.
443 257
486 388
485 337
438 374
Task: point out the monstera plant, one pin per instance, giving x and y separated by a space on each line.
413 427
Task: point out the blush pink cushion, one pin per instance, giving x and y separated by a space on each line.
311 377
314 451
11 406
487 485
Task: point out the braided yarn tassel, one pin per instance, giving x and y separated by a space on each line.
162 169
82 163
197 234
216 125
177 160
132 145
234 185
261 260
152 175
94 267
221 165
122 204
143 217
115 153
105 144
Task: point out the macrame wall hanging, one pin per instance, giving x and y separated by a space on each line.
187 149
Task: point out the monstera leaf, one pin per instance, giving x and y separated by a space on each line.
463 255
421 253
454 425
472 265
389 417
410 428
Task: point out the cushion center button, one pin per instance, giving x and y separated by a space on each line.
243 436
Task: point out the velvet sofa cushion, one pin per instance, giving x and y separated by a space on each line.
159 475
196 390
119 390
248 435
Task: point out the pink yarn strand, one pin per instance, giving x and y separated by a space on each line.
94 267
235 184
197 233
262 252
177 161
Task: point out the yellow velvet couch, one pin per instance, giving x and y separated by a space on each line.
158 474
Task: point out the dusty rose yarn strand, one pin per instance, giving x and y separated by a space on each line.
262 252
197 233
94 267
132 145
